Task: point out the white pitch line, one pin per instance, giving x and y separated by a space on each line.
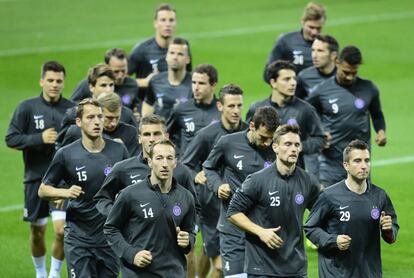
379 163
208 35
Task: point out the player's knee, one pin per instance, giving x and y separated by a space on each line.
38 233
59 233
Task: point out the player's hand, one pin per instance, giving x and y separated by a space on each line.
200 178
74 192
328 138
136 113
385 221
49 136
224 191
183 238
59 204
343 242
270 238
381 138
142 258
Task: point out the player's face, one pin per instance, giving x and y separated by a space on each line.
321 56
150 134
311 28
202 90
163 162
111 119
231 108
288 148
165 24
52 84
120 68
104 84
359 164
285 83
261 137
92 120
177 56
346 73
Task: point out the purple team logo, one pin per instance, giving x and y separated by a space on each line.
183 99
267 164
375 213
176 210
299 199
126 99
359 103
292 121
107 170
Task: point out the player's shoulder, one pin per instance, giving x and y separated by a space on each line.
113 145
129 82
128 127
259 103
161 77
66 103
309 71
30 102
233 138
366 84
294 35
143 45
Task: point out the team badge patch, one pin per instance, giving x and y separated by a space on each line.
267 164
176 210
107 170
183 99
375 213
359 103
126 99
299 199
292 121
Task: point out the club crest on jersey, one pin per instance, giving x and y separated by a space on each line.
299 199
359 103
375 213
183 99
292 121
267 163
126 99
107 170
176 210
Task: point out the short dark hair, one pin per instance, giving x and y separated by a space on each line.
314 11
162 142
275 67
110 101
115 52
229 89
86 101
354 145
180 41
208 69
99 70
333 44
351 54
164 7
266 116
52 66
152 120
285 129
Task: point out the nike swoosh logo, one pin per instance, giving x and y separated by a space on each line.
341 208
37 116
134 176
153 61
143 205
238 156
296 52
272 193
187 119
333 100
80 168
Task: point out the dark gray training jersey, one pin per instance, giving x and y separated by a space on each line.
194 156
127 133
308 79
132 171
299 112
269 200
77 166
144 218
291 47
339 211
231 160
189 117
127 91
165 96
29 120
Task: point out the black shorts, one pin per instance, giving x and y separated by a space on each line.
211 240
94 262
232 253
34 207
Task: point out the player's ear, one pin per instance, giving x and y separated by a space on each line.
149 160
275 147
252 126
41 82
219 106
78 122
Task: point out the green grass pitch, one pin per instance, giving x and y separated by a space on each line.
235 36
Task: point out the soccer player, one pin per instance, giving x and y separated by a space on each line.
33 130
291 109
173 86
230 105
296 46
324 54
152 223
83 166
232 159
270 207
345 102
349 218
125 86
113 127
189 117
